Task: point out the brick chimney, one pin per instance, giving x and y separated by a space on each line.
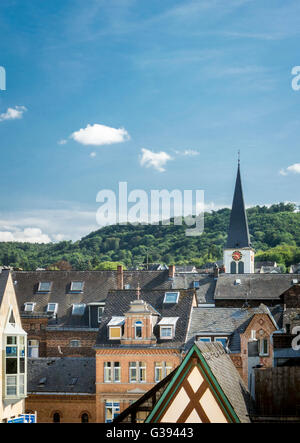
120 277
216 271
172 271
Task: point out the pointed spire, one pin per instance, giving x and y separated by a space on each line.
138 292
238 233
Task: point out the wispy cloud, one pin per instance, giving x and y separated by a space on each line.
293 169
156 160
13 113
99 135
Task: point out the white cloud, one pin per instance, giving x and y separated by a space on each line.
93 154
62 142
187 152
31 235
294 169
156 160
13 113
98 135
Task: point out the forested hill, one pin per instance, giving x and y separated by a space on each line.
275 234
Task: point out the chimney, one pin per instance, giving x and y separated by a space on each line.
120 282
171 271
216 271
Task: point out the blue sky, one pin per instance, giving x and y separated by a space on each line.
166 92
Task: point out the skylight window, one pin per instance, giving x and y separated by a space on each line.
171 297
76 286
196 284
44 286
29 307
52 308
73 381
78 309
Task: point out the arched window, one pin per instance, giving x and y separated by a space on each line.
56 417
84 418
138 329
241 267
233 267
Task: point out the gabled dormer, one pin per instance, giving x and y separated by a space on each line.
139 322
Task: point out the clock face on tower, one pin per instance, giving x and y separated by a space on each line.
237 255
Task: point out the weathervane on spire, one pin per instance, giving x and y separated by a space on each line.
138 291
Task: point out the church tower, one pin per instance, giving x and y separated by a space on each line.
238 252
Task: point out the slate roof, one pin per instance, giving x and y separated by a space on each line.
59 373
227 321
253 286
207 284
4 274
238 233
118 303
228 378
96 286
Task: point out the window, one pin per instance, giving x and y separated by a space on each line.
75 344
137 372
114 332
76 286
78 309
44 286
100 313
56 417
171 297
161 370
15 366
263 347
112 372
127 286
204 339
222 340
33 348
138 329
166 332
52 308
112 410
84 418
29 307
241 267
233 267
196 284
73 381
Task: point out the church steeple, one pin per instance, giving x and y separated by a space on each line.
238 233
238 253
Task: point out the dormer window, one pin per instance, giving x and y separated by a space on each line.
115 327
167 327
52 308
44 286
127 286
196 284
171 297
78 309
76 286
29 307
138 329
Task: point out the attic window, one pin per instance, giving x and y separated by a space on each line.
171 297
127 286
52 308
12 320
167 327
44 286
115 327
29 307
78 309
295 281
76 286
42 381
196 284
237 281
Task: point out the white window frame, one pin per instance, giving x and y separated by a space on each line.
31 347
138 324
139 368
164 368
26 306
100 308
115 407
218 340
204 339
77 290
261 347
51 311
19 377
168 337
78 345
168 293
44 290
115 338
112 372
